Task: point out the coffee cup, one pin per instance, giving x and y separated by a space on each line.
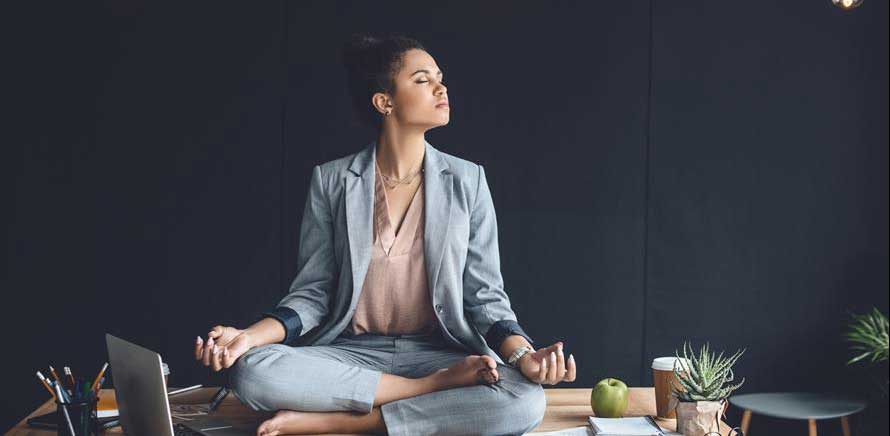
665 382
165 369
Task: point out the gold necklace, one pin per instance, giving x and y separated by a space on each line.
392 182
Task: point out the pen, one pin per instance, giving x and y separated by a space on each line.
109 424
99 376
652 421
183 390
85 389
53 385
65 397
70 376
65 393
45 384
59 380
65 411
217 399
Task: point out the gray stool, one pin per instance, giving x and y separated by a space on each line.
798 405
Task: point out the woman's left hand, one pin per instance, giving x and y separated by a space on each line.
548 365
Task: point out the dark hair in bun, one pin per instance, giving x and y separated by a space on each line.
372 62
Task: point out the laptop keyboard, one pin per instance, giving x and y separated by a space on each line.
182 430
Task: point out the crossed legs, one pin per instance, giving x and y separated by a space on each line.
322 389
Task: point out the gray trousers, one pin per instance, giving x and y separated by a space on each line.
343 376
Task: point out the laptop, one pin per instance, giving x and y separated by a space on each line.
142 397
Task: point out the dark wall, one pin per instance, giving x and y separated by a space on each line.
767 205
712 172
145 161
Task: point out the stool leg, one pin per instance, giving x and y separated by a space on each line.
845 425
812 427
746 421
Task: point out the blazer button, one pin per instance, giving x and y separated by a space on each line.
440 308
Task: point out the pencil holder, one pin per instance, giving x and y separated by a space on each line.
82 415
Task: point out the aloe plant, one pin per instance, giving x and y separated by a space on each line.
705 377
868 333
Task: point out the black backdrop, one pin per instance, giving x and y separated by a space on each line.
662 171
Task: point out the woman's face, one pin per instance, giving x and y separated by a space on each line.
419 91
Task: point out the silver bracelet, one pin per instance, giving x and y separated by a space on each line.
521 351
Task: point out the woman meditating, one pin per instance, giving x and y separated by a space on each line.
397 321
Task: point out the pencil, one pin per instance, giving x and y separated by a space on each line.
54 373
45 384
99 386
98 377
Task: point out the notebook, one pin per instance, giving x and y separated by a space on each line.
574 431
635 426
107 407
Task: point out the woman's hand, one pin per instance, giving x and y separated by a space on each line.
223 347
548 365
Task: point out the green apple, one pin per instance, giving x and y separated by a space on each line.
608 399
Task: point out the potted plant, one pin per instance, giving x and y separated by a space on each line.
869 336
703 389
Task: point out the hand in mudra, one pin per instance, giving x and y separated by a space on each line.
224 345
548 365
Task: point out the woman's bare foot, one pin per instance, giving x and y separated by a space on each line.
296 422
472 370
290 422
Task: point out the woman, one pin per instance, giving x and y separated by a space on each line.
424 345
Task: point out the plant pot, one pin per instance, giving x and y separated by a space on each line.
699 417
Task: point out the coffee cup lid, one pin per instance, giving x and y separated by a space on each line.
667 363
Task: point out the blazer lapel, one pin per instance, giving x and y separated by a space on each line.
360 213
437 213
359 216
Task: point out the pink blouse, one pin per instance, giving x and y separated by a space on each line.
395 296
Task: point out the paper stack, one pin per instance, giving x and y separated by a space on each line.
107 407
635 426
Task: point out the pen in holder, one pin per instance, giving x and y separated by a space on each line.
78 416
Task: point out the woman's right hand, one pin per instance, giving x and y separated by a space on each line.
224 345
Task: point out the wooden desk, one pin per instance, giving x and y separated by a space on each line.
230 407
566 408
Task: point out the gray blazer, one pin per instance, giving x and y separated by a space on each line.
460 246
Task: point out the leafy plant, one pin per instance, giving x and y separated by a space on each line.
705 377
868 333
